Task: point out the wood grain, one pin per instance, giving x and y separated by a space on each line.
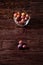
10 33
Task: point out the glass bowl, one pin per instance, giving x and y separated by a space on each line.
25 21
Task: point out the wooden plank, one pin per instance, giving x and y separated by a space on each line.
10 33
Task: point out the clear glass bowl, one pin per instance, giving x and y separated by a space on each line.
26 22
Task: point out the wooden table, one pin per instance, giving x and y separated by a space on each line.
32 34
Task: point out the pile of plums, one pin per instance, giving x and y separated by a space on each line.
21 45
21 17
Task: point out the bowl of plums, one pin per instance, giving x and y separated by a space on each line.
21 18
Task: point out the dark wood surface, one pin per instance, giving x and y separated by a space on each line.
10 33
